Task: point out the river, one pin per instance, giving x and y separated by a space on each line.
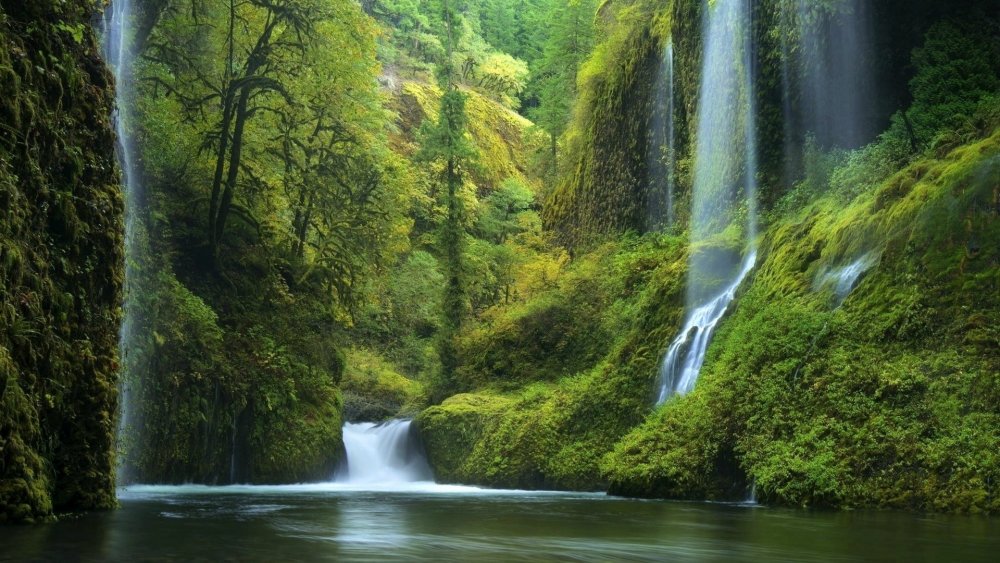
424 521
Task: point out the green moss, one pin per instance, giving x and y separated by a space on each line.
888 400
374 389
562 411
61 245
450 431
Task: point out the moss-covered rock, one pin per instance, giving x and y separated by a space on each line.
888 399
61 263
547 420
374 390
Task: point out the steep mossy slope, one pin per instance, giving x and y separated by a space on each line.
61 265
502 139
560 378
890 399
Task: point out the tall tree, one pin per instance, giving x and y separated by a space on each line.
571 38
445 145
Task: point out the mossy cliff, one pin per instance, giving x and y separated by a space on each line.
889 399
606 187
61 263
881 393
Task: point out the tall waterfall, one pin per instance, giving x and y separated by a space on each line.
828 73
384 454
118 54
724 189
662 146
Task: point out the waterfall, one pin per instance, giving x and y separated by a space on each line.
384 454
661 152
686 354
835 72
724 189
843 279
117 51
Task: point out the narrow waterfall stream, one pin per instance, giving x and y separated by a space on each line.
661 157
842 280
686 354
384 454
117 47
725 186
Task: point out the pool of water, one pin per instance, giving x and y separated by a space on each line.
423 521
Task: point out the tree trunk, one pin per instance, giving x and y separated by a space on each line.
234 164
220 165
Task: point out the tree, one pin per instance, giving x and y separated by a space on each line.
444 144
570 40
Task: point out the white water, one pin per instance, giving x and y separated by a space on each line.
384 455
686 354
843 279
725 187
416 487
117 50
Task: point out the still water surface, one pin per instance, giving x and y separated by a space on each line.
423 521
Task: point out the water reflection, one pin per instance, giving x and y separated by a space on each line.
327 523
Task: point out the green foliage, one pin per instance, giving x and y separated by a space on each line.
955 68
374 390
445 145
61 264
857 405
273 201
602 174
570 37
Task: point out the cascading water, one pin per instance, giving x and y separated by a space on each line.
724 189
686 354
118 54
384 454
843 279
661 157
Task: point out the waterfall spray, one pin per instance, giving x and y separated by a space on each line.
834 72
384 454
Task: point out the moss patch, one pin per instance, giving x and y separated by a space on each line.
887 400
61 264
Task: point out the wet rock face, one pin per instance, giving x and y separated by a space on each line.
61 263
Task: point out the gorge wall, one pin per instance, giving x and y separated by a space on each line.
61 263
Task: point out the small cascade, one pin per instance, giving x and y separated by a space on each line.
686 354
384 454
751 499
118 54
843 279
662 147
724 190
